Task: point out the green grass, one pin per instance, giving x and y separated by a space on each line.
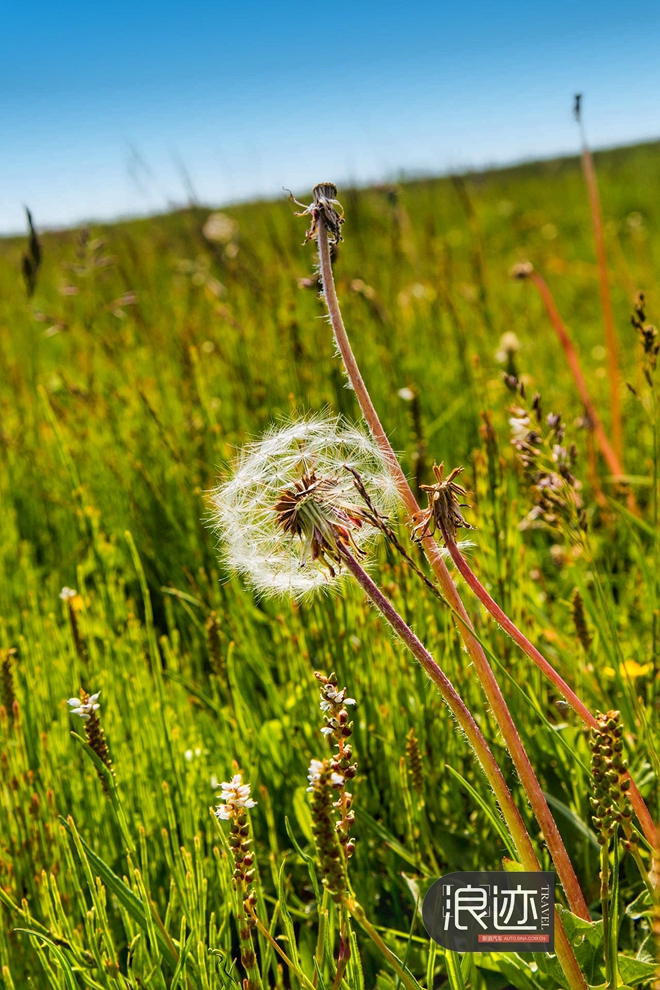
146 356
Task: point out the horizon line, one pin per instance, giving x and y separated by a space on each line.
404 176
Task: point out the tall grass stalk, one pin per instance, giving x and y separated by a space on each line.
611 457
589 171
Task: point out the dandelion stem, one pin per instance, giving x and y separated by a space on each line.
455 704
494 695
475 737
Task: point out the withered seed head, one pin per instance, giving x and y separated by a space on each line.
320 513
648 334
522 270
326 207
444 508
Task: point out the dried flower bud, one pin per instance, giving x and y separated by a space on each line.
522 270
444 508
324 209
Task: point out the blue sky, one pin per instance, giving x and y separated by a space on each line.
117 108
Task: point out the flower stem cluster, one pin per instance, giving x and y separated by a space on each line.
340 728
323 784
237 802
444 508
611 785
213 627
548 465
74 603
415 764
7 680
580 620
648 335
87 707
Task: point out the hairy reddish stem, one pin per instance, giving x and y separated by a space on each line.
608 452
494 695
605 298
471 579
476 739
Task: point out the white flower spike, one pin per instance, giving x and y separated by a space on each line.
84 708
314 776
236 796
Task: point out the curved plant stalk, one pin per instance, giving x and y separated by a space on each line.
643 814
494 695
476 739
589 171
611 457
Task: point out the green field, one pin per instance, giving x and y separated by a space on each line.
147 355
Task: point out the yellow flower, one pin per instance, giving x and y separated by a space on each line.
633 669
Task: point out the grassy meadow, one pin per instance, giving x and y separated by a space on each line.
148 353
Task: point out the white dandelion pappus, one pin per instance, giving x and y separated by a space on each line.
243 507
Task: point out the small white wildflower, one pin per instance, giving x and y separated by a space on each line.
66 594
520 426
188 755
236 796
314 773
243 507
332 697
314 776
84 708
509 345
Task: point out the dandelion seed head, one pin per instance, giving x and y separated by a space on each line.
242 508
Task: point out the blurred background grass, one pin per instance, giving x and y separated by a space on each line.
150 350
